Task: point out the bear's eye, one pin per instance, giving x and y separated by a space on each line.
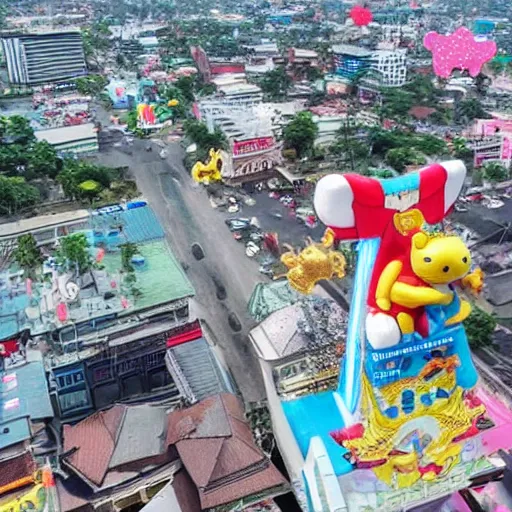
427 259
464 260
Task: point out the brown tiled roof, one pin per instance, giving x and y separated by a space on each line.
421 113
186 492
256 483
94 439
16 468
216 447
70 502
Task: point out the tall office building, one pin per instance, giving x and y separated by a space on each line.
43 58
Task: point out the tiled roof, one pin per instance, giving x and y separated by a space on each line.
216 447
16 468
115 438
69 501
420 112
95 439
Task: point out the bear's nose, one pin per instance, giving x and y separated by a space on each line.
445 269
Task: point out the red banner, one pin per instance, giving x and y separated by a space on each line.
246 147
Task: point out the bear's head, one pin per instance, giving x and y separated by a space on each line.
439 259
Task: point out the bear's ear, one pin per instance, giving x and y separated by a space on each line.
420 240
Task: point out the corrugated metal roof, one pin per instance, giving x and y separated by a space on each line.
200 368
32 391
19 431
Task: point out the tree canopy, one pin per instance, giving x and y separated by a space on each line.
276 83
16 194
28 255
73 253
77 172
300 134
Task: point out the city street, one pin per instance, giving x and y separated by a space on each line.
187 217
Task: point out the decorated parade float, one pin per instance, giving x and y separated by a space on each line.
409 422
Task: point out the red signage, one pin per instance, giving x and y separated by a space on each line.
246 147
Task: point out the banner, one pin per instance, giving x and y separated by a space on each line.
246 147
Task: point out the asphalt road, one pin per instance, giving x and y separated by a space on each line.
187 217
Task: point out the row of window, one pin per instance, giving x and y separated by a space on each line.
108 393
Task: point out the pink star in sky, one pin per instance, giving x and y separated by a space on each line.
459 50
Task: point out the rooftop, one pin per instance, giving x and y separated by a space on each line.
158 277
107 440
348 49
64 134
20 227
216 447
306 325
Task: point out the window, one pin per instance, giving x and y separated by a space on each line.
70 379
74 400
159 379
101 374
131 386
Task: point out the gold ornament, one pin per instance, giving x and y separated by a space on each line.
314 263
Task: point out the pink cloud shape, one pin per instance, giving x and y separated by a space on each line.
458 51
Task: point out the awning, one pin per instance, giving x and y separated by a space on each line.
178 339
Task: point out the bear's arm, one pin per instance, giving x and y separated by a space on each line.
386 280
410 296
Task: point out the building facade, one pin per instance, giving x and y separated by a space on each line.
44 58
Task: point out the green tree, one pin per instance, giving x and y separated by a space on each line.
16 129
186 85
42 160
350 146
28 255
96 41
276 83
430 144
128 251
396 104
198 133
300 134
480 327
400 158
91 85
495 172
468 110
73 253
76 172
461 149
16 194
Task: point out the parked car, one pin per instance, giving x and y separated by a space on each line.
197 252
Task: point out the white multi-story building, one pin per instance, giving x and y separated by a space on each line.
44 58
391 65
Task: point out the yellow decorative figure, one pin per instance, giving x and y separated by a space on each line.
207 173
314 263
422 277
173 103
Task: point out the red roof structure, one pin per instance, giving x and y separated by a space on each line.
216 447
17 469
123 438
421 113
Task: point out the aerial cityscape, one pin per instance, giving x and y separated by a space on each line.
256 256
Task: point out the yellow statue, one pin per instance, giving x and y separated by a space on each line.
207 173
314 263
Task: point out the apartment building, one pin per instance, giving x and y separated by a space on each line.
43 58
